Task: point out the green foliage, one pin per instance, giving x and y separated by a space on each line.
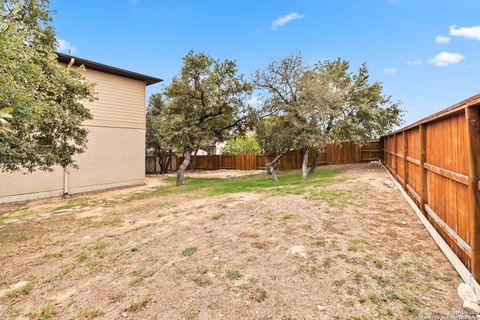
41 100
310 106
206 103
234 274
190 251
241 145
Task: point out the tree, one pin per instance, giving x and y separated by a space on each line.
281 83
205 104
322 104
241 145
44 100
156 140
344 105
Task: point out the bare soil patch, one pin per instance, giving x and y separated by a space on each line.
349 249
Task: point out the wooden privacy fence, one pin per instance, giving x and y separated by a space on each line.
340 153
436 161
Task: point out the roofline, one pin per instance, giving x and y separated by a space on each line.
473 100
66 58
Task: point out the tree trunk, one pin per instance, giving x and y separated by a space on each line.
304 163
169 161
313 168
271 167
193 165
183 167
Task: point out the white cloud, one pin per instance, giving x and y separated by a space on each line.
66 47
286 19
442 39
466 32
444 59
390 70
414 62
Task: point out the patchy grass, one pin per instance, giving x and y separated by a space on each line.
287 183
19 214
318 243
355 244
80 202
139 302
190 251
234 274
332 197
45 312
21 291
217 215
20 237
90 313
287 216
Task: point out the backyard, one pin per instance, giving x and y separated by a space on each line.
341 245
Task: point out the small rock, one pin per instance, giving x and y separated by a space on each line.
321 308
124 314
298 251
471 306
466 293
404 222
216 258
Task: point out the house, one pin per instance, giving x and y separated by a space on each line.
115 154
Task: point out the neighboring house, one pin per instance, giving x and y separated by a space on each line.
115 154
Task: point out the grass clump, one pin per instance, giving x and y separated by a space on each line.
81 257
357 275
190 251
45 312
217 215
287 216
90 313
138 303
21 291
318 243
234 274
20 237
355 244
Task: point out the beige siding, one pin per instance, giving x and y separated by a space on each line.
121 101
114 155
18 184
115 150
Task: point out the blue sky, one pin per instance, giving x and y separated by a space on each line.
426 52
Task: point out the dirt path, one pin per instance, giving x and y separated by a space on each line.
352 250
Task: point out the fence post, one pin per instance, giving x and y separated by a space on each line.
423 171
472 117
395 155
405 153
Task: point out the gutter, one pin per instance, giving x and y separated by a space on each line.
66 175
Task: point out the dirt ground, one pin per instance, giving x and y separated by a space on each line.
356 252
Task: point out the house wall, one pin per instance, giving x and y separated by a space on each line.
115 154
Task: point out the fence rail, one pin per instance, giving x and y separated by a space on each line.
436 161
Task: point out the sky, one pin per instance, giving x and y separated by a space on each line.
425 52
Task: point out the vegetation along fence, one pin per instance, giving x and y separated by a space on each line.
436 160
341 153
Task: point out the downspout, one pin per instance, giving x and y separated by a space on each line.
66 175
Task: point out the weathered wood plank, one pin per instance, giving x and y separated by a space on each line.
472 116
446 228
413 160
423 171
461 178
